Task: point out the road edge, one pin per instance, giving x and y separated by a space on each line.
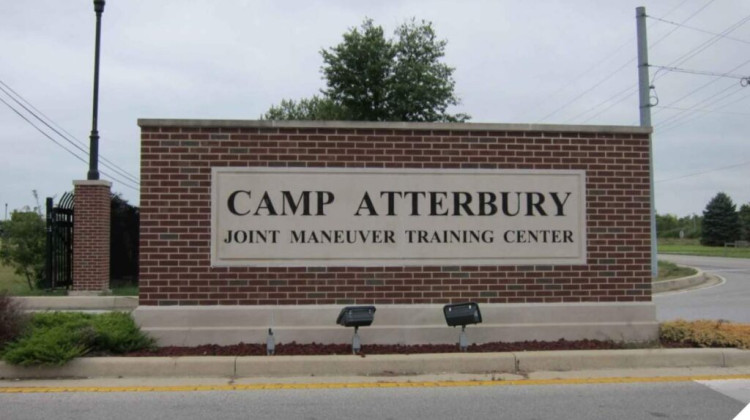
381 365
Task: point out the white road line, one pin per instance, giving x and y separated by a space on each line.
738 389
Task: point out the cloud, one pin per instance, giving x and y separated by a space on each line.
568 61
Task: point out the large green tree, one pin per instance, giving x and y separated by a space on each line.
22 245
744 215
371 78
721 222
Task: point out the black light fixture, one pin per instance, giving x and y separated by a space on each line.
462 314
93 173
356 316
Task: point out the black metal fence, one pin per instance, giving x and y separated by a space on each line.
123 260
59 261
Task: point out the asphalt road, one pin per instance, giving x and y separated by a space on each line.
714 400
729 301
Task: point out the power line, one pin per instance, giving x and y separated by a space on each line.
622 67
655 43
630 92
700 72
76 143
716 79
579 77
698 29
579 96
611 98
688 116
69 138
685 114
702 47
723 168
42 131
121 181
710 111
676 7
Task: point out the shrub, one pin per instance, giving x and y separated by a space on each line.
12 319
706 333
116 332
54 338
56 346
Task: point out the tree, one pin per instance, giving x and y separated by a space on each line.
315 108
422 86
371 78
670 226
744 215
23 245
358 73
720 221
667 226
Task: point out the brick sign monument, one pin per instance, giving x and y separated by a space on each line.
250 225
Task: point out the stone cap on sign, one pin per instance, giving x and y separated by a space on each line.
559 128
92 183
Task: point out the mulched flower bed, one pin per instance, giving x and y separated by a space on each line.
313 349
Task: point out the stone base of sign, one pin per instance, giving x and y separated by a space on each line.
397 324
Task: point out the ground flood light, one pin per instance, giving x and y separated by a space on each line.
356 316
270 343
462 314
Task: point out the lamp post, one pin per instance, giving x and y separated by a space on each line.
94 137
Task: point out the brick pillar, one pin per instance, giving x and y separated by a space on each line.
91 237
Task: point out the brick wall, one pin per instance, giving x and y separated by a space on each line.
176 161
91 236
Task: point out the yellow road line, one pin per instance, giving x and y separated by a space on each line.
356 385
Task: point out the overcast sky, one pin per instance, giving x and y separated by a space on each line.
556 62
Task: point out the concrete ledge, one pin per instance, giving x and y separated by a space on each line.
92 367
68 303
619 359
379 365
376 365
736 357
397 324
560 128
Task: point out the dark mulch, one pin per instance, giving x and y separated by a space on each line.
296 349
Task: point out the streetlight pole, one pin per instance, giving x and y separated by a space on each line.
94 137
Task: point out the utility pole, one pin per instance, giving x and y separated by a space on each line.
644 104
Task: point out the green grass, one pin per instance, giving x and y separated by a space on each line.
16 286
668 271
125 290
693 247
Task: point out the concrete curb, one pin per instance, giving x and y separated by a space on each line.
78 303
381 365
689 282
